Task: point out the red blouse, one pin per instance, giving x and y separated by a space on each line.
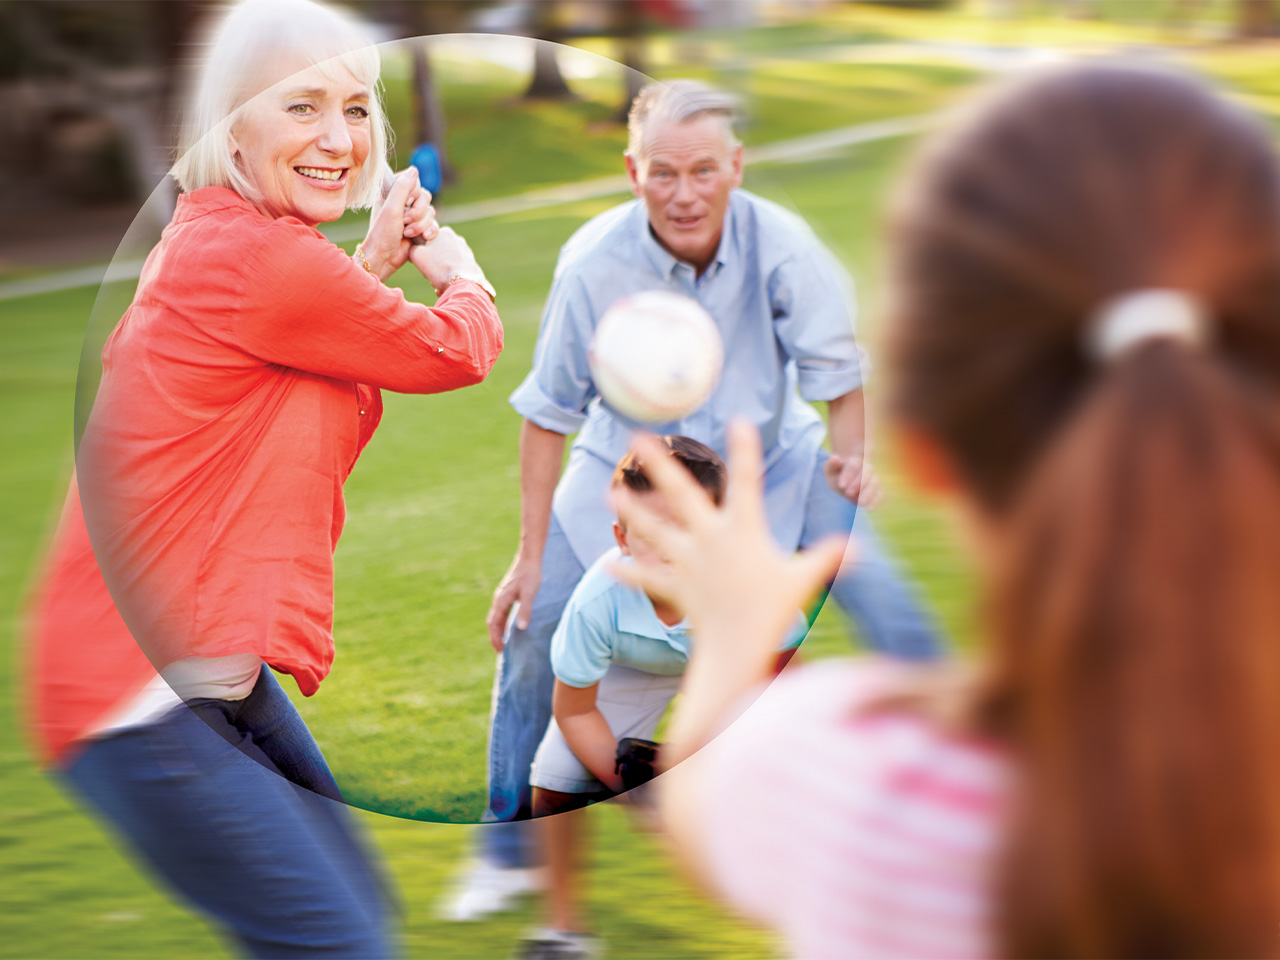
237 393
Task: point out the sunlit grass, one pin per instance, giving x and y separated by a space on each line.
434 505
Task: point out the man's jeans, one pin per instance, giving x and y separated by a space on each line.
280 867
871 591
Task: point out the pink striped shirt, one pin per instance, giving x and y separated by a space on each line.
853 833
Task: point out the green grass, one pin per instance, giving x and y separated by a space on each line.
1251 73
433 514
549 143
434 510
1030 22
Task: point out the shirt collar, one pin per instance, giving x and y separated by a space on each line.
206 200
637 616
666 264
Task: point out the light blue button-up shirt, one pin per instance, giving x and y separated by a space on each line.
784 308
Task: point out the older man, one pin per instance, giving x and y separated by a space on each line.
783 308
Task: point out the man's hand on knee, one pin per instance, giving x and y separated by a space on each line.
516 589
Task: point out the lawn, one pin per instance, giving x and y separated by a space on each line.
433 514
432 524
433 508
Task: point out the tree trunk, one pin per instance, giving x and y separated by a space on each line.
627 27
547 83
135 99
1255 19
428 111
135 105
419 19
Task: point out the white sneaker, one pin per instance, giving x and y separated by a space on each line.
484 889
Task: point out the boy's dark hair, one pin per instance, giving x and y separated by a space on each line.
699 459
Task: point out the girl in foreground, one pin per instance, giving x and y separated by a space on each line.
1085 342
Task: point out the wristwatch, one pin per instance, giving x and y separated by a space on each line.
484 285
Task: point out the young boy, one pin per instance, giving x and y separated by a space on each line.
618 656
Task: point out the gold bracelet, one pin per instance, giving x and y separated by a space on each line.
364 261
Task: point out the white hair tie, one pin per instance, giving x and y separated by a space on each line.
1132 318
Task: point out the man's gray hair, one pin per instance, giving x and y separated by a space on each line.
677 101
252 38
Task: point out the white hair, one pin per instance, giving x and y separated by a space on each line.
678 101
258 33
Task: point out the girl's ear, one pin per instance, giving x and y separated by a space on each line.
928 467
620 535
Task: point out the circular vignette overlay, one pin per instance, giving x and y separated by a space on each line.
433 506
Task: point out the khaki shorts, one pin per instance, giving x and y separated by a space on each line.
632 703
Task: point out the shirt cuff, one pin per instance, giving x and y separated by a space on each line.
818 385
535 405
578 682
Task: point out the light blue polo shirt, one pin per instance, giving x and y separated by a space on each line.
785 311
607 622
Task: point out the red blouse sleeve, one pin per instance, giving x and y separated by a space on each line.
306 304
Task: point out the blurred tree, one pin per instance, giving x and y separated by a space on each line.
548 82
628 27
99 81
1255 19
418 19
912 4
428 111
1083 9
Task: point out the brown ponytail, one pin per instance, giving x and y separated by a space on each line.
1136 622
1135 603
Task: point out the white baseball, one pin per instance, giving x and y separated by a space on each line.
656 356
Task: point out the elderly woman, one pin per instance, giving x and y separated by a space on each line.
237 393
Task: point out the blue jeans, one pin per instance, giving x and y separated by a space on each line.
873 592
884 606
280 867
522 687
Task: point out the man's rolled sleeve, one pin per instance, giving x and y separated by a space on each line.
558 389
536 405
811 298
822 383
